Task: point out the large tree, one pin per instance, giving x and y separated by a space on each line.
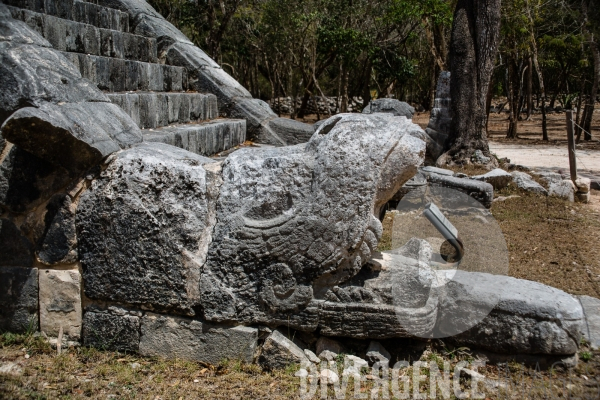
473 50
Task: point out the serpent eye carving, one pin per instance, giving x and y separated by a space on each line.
273 211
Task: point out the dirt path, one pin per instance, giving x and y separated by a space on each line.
531 151
548 157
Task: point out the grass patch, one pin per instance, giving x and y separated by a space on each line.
88 373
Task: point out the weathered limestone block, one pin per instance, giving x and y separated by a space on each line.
153 110
525 182
206 139
26 180
204 75
217 82
440 119
283 132
296 221
491 312
60 8
591 327
434 149
392 106
255 111
564 189
377 353
12 30
498 178
59 241
550 177
193 340
189 56
133 7
440 114
73 136
113 329
528 318
481 191
118 75
56 79
583 185
99 16
18 299
398 299
435 170
60 302
159 28
17 250
152 210
279 352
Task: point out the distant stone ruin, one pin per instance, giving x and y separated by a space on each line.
118 229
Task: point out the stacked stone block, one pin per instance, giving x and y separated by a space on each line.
99 41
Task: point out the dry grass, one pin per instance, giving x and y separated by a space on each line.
89 373
549 240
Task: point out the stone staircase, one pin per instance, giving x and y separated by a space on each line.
126 66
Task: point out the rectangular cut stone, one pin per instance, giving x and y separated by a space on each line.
155 110
18 299
112 44
206 139
78 11
114 329
118 75
591 311
60 302
102 17
193 340
71 36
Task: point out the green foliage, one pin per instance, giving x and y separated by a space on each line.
391 47
585 356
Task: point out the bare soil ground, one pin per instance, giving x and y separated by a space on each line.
549 240
530 132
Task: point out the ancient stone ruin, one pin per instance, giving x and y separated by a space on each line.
118 230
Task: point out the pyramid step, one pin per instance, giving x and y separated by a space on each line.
206 138
118 75
77 37
155 110
78 11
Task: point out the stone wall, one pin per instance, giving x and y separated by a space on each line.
316 104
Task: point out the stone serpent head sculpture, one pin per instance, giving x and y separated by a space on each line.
258 238
295 221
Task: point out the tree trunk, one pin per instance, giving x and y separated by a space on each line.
513 98
366 89
579 119
488 103
529 88
473 50
540 76
432 86
587 123
344 102
305 99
